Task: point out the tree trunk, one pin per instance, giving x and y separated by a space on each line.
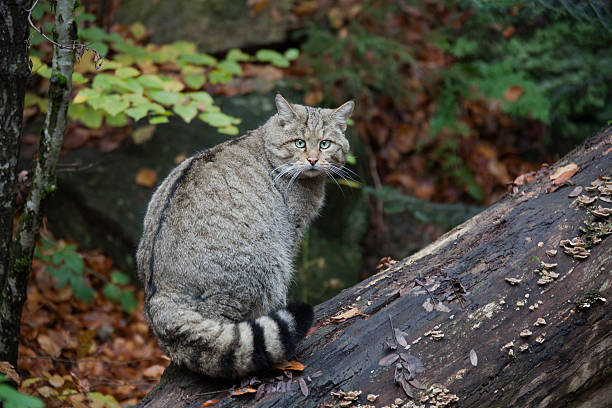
492 353
14 72
43 180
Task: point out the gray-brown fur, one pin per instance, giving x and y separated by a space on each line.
219 239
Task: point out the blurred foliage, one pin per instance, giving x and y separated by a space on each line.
66 266
553 62
446 216
11 398
450 116
126 78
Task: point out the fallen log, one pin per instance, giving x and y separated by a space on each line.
508 309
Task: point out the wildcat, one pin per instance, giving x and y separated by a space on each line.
220 235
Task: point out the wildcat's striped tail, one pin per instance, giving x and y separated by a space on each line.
228 350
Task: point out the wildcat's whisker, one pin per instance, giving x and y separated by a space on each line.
279 167
335 181
345 171
298 171
282 173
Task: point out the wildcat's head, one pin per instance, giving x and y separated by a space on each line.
307 141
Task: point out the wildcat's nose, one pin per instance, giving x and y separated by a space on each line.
312 160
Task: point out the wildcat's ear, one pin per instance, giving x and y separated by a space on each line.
286 112
341 114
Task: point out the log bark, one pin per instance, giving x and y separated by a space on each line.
566 361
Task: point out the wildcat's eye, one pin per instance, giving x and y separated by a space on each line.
324 144
300 143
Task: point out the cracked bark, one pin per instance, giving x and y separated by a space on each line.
13 289
14 73
571 367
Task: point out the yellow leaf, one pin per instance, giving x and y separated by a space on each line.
243 390
290 365
146 177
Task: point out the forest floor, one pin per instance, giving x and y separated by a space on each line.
85 355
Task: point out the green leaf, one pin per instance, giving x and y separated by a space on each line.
128 301
219 77
61 274
230 66
138 30
117 120
100 47
120 278
201 97
81 289
106 401
195 81
93 34
187 112
136 113
113 104
91 118
173 85
273 57
113 292
350 159
192 69
78 78
156 120
157 108
86 94
151 81
130 84
216 119
127 72
103 81
236 55
44 72
74 262
167 97
184 47
292 54
199 59
228 130
12 398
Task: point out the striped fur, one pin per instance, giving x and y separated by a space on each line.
219 239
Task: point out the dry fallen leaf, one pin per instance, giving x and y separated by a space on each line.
7 369
427 305
143 134
290 365
155 371
49 346
575 192
513 93
388 360
146 177
243 390
351 312
209 403
303 386
562 174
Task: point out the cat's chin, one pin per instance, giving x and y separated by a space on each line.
311 173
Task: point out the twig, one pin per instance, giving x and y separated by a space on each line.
78 48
